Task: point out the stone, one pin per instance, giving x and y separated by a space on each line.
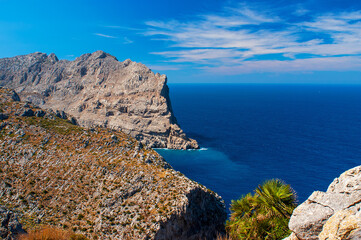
10 228
98 90
73 121
354 235
27 113
348 182
15 96
3 116
308 219
40 113
334 214
340 225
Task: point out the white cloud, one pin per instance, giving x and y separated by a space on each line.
103 35
238 38
300 11
309 64
200 55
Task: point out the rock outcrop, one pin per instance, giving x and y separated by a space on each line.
98 90
334 214
10 228
98 182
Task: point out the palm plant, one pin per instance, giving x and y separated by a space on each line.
265 214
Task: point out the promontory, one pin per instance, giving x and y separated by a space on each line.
98 90
98 182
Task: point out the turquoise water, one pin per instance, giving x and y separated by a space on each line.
209 167
305 135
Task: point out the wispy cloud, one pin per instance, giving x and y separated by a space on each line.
122 27
297 65
103 35
243 38
300 11
127 40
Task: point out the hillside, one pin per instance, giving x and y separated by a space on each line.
96 181
98 90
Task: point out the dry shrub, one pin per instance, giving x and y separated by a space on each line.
51 233
223 237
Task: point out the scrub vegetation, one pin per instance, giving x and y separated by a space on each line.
264 214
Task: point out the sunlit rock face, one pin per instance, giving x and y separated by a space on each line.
334 214
98 90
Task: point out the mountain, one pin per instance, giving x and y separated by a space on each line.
98 182
98 90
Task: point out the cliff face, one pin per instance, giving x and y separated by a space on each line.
334 214
98 90
98 182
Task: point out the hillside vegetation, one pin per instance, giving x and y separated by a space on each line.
98 182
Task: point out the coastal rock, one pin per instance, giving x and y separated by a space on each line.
98 182
342 225
334 214
98 90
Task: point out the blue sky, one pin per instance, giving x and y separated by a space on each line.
197 40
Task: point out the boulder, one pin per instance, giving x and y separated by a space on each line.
334 214
341 225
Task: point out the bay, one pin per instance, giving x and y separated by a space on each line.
305 135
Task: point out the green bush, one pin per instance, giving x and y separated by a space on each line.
263 215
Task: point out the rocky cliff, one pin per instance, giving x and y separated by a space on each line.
331 215
98 90
98 182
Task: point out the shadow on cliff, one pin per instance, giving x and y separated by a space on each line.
202 219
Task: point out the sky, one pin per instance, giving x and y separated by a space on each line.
197 41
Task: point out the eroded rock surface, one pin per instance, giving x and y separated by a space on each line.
98 90
334 214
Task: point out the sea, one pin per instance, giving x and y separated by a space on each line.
305 135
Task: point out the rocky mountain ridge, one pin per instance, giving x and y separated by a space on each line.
98 90
98 182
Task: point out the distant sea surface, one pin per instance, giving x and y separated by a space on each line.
305 135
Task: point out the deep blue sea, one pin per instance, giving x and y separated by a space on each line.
305 135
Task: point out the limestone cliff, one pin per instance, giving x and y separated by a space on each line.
98 90
331 215
99 182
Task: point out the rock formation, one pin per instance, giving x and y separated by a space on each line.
98 90
10 228
334 214
98 182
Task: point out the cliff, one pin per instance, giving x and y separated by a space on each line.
98 182
98 90
331 215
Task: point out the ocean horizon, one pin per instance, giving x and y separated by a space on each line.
303 134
